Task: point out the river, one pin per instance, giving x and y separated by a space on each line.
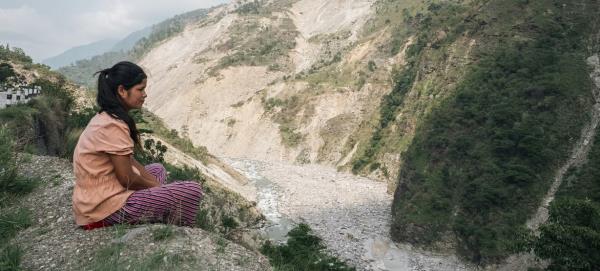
350 213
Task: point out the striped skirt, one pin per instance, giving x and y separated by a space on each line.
174 203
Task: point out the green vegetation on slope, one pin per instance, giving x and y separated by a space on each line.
571 238
82 71
480 163
150 123
425 24
252 42
13 54
286 117
47 124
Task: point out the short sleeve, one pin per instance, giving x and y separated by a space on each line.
113 138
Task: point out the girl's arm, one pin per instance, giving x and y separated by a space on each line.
127 177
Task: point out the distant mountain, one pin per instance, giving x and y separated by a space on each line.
80 52
128 42
131 48
96 48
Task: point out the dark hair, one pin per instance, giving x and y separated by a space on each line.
128 75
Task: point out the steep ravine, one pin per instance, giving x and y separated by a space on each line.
351 214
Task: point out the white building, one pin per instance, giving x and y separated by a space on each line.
15 95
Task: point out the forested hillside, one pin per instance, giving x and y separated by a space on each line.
481 162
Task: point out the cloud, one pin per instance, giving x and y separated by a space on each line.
46 28
117 21
25 27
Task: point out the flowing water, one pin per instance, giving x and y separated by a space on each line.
267 195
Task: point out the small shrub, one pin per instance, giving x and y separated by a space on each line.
154 151
183 173
303 251
229 222
371 65
289 137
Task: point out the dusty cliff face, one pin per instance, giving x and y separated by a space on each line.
244 110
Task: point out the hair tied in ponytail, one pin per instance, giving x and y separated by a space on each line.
126 74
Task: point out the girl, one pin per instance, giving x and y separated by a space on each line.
111 187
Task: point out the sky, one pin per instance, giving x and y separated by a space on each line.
45 28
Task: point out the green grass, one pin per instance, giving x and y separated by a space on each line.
12 188
10 258
303 251
221 245
12 221
111 258
229 222
11 183
163 232
203 220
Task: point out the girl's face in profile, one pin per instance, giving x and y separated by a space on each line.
134 97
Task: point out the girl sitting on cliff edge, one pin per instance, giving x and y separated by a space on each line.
111 187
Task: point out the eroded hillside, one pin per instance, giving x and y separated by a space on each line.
272 81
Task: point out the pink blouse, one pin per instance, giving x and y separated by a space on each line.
97 192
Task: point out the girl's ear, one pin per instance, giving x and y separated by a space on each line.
121 91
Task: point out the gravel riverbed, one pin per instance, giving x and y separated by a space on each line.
350 213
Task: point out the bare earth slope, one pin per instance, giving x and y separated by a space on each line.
226 110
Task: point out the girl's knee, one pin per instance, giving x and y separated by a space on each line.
158 171
192 187
157 167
